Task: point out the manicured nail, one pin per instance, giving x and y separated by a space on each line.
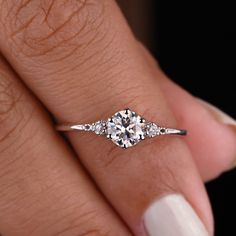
172 215
218 114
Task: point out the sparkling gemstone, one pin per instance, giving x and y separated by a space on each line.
99 127
152 130
125 128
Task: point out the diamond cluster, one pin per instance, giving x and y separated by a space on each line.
125 128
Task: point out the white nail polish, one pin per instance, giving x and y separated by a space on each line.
172 215
219 115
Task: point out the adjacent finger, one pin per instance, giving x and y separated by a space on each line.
44 191
212 138
81 60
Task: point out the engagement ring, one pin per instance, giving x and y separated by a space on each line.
125 128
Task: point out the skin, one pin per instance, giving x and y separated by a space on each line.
77 61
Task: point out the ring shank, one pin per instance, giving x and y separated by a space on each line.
69 127
170 131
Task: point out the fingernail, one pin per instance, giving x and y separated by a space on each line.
218 114
172 215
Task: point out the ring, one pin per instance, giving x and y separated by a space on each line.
125 128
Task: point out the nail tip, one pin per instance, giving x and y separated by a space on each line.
173 210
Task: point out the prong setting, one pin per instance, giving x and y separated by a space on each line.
142 120
126 128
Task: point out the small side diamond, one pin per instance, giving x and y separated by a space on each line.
152 130
99 127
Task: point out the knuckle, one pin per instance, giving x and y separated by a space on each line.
41 28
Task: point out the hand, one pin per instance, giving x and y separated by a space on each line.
79 62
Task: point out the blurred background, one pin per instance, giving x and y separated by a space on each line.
194 43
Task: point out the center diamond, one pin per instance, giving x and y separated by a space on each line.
125 128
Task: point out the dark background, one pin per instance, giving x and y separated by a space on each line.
195 45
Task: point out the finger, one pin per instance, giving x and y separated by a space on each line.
84 64
43 189
213 139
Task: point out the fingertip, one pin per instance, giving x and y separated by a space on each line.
228 124
212 133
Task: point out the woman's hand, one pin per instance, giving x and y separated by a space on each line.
78 61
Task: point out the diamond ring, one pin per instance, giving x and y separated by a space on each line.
125 128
